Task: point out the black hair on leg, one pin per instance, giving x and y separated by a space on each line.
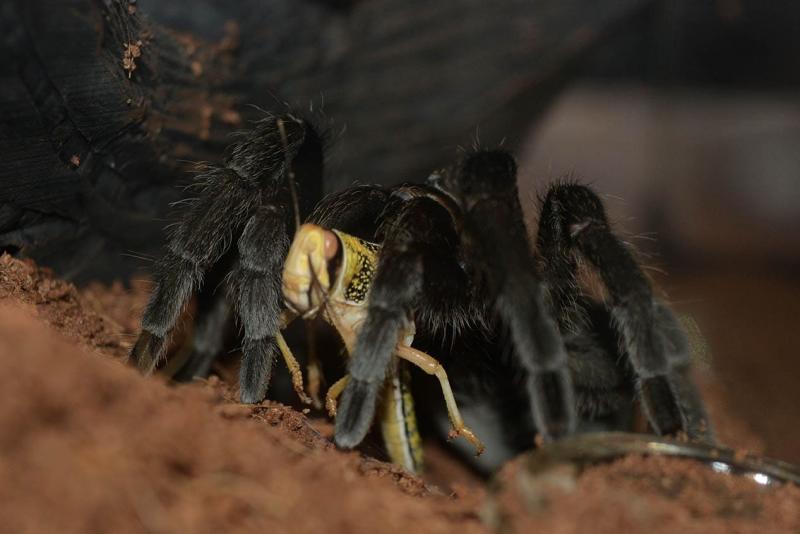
648 337
213 313
258 298
415 238
246 201
485 185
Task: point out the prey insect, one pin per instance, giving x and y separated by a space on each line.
331 272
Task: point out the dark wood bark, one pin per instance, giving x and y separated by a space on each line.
104 109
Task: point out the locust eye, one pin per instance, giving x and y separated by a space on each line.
306 274
331 245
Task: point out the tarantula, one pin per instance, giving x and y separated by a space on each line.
445 265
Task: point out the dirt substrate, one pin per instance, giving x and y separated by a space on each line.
637 494
87 445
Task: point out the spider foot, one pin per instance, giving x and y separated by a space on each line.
356 413
146 351
553 399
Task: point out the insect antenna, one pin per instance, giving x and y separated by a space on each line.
289 174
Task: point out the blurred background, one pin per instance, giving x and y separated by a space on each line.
683 114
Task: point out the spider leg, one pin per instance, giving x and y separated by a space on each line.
651 336
177 278
213 313
246 202
417 261
197 242
258 299
355 210
604 390
491 389
394 289
679 354
589 335
498 247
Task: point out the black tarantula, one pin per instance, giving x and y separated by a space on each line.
445 265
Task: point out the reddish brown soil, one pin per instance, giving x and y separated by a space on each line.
637 494
60 305
88 445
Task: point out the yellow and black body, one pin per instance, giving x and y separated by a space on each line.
308 290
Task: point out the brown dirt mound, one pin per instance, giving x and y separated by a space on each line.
88 445
60 305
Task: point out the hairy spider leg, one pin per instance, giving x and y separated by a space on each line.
419 241
211 319
257 299
573 220
497 243
353 211
600 377
595 362
241 208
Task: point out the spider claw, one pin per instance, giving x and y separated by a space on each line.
553 402
146 351
355 413
661 405
256 370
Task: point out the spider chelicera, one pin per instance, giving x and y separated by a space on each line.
420 274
